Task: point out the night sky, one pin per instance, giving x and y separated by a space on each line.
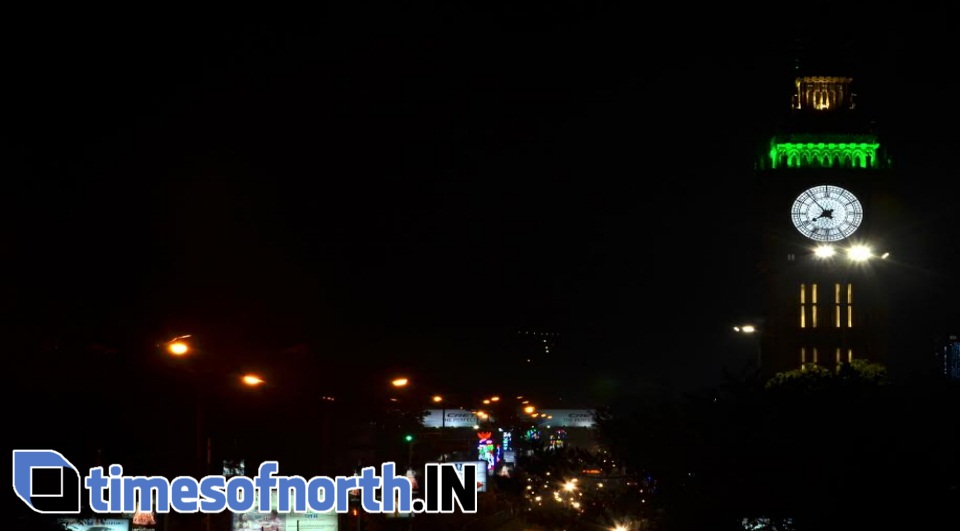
404 189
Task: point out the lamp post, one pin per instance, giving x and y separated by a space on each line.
750 329
437 399
178 347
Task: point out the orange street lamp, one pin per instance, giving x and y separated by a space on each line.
252 380
437 398
400 382
178 348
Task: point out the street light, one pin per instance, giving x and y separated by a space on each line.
400 382
178 346
750 329
252 380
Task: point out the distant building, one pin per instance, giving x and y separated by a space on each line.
948 358
536 346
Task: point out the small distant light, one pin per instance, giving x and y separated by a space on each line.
884 256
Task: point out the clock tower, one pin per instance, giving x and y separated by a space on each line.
825 180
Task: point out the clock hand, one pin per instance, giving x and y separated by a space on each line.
815 200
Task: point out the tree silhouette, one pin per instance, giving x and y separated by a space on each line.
825 448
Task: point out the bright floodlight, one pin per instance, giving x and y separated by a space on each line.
824 251
400 382
859 253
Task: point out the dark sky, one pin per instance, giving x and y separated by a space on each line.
405 187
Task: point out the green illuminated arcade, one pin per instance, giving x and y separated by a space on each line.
824 151
828 143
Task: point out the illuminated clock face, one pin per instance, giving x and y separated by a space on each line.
827 213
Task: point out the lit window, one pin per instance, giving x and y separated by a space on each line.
836 309
813 305
849 305
803 305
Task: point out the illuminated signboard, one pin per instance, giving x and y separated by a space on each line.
95 524
567 418
274 521
450 418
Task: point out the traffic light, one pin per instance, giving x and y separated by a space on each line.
408 438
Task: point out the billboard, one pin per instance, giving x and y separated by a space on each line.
567 418
450 418
274 521
95 524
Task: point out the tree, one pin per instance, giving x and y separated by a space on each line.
858 374
820 446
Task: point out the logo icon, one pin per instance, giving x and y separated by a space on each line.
46 481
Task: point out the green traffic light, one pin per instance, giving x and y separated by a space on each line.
408 438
